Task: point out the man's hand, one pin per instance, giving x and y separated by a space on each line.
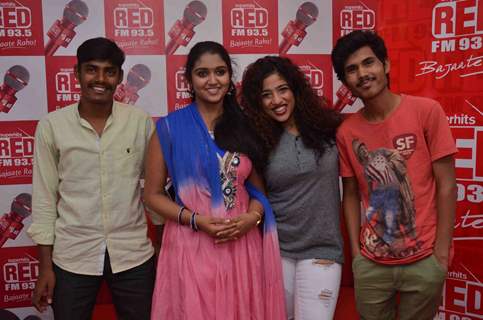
442 255
44 290
355 251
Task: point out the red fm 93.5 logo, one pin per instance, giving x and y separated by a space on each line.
359 18
20 275
462 300
67 87
182 87
15 21
315 76
457 25
133 22
249 21
16 151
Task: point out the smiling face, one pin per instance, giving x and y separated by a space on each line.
365 74
278 100
98 81
210 79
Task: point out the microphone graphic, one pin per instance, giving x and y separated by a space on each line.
344 98
294 31
11 222
62 31
137 78
182 31
16 78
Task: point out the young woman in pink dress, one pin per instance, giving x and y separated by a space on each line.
214 263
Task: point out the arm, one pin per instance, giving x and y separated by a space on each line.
441 146
44 288
258 183
444 174
157 200
352 212
155 219
44 212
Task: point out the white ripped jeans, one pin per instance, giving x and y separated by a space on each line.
311 289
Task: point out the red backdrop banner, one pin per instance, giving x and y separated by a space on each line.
435 48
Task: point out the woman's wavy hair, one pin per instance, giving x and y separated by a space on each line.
315 121
232 129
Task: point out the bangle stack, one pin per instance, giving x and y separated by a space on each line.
193 224
180 213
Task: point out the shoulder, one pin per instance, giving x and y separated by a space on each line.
180 113
420 104
350 122
131 111
164 123
56 123
419 100
58 118
175 116
425 110
60 114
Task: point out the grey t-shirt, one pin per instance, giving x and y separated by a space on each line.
305 198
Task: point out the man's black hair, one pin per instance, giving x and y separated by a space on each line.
352 42
102 49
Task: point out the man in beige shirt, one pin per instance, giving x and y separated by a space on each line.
88 219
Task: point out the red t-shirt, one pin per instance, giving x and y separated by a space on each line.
392 162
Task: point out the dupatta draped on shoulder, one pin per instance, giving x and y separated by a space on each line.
192 159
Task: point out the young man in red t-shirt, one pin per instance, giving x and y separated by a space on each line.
396 156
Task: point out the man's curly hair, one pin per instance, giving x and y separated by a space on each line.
315 122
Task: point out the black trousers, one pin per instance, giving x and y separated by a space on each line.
75 294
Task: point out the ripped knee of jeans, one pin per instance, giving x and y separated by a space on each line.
326 294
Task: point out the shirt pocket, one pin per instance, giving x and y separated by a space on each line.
127 162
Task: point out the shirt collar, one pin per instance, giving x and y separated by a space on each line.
112 117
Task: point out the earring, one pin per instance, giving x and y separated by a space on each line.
231 89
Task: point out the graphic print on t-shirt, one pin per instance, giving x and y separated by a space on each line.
390 230
405 144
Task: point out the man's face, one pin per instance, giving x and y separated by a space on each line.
365 74
98 81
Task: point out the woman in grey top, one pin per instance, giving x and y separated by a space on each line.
301 174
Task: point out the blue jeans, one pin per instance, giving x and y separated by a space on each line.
75 294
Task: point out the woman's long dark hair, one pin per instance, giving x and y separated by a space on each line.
232 130
315 122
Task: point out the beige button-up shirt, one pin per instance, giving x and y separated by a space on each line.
86 190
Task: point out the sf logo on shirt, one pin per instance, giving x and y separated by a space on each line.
405 144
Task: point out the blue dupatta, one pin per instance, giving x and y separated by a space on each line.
191 156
